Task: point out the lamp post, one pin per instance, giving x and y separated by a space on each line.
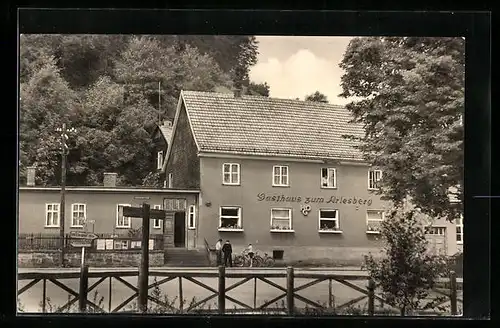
64 153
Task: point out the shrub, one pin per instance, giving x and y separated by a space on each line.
406 273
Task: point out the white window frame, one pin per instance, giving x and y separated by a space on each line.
239 217
337 220
170 180
375 180
435 228
52 212
74 219
368 220
159 160
290 219
192 217
281 175
460 224
157 222
117 214
231 166
328 171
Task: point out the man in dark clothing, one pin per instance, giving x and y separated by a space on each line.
227 249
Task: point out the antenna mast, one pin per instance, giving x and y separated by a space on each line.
159 102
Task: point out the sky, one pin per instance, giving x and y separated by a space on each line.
296 66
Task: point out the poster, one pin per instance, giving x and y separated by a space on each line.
101 244
151 244
109 243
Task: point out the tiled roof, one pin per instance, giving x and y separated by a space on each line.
258 125
166 131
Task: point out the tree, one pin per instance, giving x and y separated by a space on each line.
317 96
407 272
258 89
46 102
410 98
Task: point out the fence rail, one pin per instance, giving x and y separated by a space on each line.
45 242
288 293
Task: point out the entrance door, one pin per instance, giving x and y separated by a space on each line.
180 229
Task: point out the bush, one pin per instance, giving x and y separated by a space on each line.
406 273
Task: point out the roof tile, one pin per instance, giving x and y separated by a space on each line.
270 126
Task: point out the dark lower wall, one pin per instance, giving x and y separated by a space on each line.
46 259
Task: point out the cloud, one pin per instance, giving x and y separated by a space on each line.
299 75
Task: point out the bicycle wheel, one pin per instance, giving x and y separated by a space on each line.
239 261
269 262
257 261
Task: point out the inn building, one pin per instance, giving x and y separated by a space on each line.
275 173
279 174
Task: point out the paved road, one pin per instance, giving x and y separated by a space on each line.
193 292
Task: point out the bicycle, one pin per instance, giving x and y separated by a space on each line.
243 260
266 261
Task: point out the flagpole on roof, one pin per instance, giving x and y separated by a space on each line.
159 102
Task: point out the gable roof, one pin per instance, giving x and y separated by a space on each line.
166 131
257 125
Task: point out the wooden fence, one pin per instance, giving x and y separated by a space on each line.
289 292
46 242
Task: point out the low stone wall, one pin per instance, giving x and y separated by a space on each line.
46 259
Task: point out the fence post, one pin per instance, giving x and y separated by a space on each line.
44 295
330 294
453 292
84 283
255 292
371 297
289 291
110 292
222 289
181 297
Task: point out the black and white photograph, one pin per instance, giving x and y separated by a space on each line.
241 174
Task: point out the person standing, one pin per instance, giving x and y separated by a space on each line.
249 251
227 249
218 251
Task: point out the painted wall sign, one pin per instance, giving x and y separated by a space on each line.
306 200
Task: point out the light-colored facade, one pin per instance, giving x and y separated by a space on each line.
275 189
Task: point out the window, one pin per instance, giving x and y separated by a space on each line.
328 178
373 220
438 231
374 177
192 217
175 204
159 160
122 221
78 215
329 221
280 176
170 180
157 222
460 231
52 215
230 218
281 219
231 174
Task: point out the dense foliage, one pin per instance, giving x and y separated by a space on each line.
317 96
410 97
114 89
407 272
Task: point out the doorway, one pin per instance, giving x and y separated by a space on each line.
180 229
